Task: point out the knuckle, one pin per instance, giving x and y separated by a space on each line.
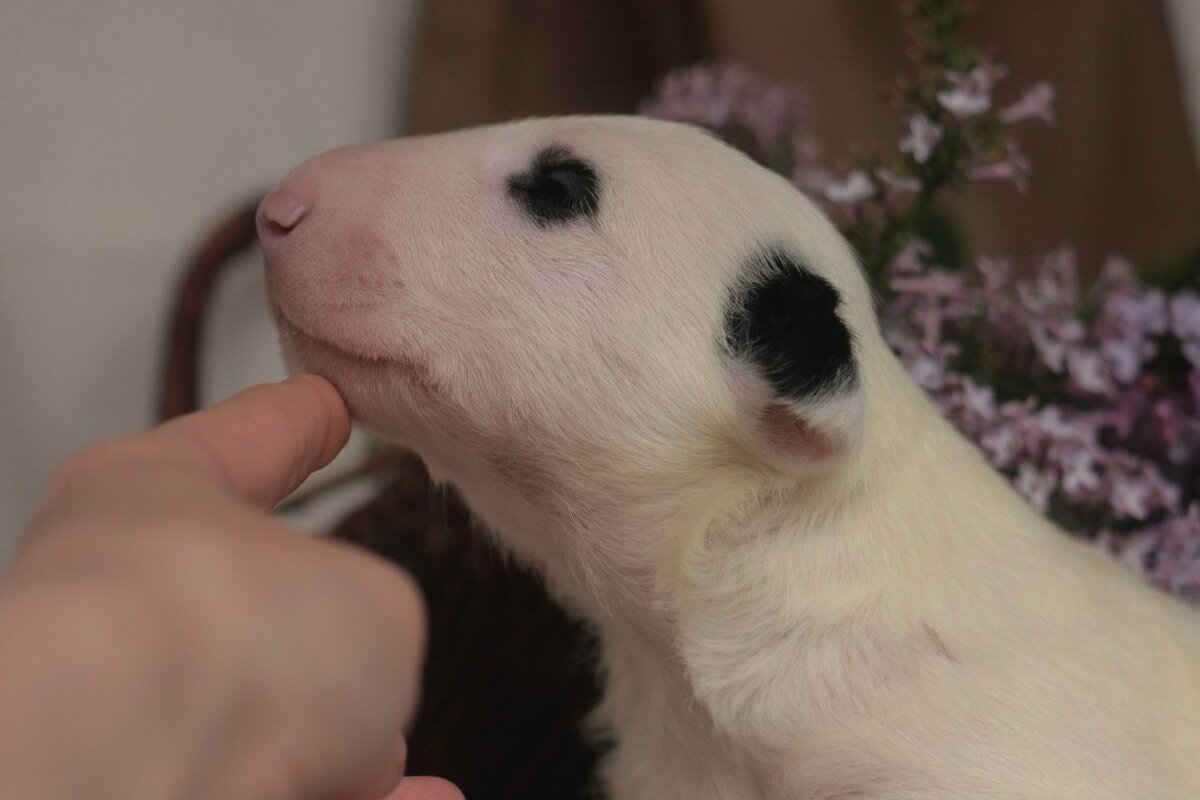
94 460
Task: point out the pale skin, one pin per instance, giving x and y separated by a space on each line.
164 637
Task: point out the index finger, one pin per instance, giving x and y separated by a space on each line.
266 439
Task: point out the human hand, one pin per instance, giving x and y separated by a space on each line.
164 637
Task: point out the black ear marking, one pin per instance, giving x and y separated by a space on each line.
557 187
786 322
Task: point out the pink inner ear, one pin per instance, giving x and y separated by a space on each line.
787 433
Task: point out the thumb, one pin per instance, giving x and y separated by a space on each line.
267 439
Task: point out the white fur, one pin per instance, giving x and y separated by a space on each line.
888 622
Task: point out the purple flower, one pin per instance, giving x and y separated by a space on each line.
1167 553
926 302
1034 485
725 98
1185 324
979 400
1177 428
1127 323
898 184
1001 444
933 283
1012 167
1118 272
1080 472
1130 498
808 172
700 95
972 93
911 259
1036 102
1056 340
1136 312
923 136
928 371
1054 288
1089 371
854 188
1053 423
1125 357
995 272
768 112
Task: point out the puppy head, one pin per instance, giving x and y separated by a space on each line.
611 307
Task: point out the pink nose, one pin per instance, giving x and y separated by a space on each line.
281 212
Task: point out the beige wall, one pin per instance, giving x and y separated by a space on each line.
126 126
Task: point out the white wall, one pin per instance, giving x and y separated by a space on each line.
127 127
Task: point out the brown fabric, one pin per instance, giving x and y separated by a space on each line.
1117 173
481 61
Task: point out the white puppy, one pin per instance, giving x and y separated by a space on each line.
653 370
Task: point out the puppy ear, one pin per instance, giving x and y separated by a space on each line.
791 362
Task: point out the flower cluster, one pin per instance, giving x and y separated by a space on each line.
1087 398
1088 401
767 120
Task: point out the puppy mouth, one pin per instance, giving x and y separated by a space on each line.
291 330
324 356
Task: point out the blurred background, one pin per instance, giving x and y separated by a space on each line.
129 127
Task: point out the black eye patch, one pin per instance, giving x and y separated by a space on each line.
557 188
787 325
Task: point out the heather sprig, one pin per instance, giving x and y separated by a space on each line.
951 134
767 120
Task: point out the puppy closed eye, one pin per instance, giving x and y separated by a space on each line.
557 188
